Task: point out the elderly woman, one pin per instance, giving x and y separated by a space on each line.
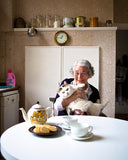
82 71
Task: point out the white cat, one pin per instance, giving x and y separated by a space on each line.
66 90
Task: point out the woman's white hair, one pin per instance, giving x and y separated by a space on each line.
84 63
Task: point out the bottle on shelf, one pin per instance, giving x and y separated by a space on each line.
57 21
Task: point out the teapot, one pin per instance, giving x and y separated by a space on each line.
36 114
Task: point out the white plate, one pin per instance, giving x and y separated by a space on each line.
90 135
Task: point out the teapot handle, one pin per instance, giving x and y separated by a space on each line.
48 108
48 114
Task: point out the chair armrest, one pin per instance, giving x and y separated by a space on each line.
102 114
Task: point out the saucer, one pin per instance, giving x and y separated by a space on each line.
88 136
64 126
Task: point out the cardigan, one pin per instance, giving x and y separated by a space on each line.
93 96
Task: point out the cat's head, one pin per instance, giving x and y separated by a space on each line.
66 90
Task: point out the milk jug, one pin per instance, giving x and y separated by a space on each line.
11 79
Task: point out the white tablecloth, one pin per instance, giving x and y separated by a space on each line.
109 142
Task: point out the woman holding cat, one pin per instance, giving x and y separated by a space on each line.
82 71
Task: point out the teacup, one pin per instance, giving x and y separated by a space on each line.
80 129
70 121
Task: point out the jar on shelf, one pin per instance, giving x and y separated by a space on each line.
57 21
48 21
39 20
108 23
93 21
33 23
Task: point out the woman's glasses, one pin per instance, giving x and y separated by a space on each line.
82 73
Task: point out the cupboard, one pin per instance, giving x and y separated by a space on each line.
46 66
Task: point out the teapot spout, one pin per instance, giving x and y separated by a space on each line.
25 116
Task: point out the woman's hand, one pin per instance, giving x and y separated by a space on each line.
77 94
80 94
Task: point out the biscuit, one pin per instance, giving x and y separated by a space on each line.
51 128
41 129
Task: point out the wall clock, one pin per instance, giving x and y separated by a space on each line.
61 38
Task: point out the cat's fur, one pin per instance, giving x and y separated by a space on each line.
66 90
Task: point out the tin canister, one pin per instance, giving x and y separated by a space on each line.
68 22
80 21
93 21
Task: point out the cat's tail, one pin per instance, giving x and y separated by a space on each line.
104 105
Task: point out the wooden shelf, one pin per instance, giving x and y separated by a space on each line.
69 29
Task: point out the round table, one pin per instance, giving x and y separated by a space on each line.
109 142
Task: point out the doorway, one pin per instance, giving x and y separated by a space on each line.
121 108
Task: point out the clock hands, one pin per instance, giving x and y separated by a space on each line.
60 37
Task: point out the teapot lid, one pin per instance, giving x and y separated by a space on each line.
37 105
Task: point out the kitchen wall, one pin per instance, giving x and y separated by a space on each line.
120 11
15 42
15 56
65 8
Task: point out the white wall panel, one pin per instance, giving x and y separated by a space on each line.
42 74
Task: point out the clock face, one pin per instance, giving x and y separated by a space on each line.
61 37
